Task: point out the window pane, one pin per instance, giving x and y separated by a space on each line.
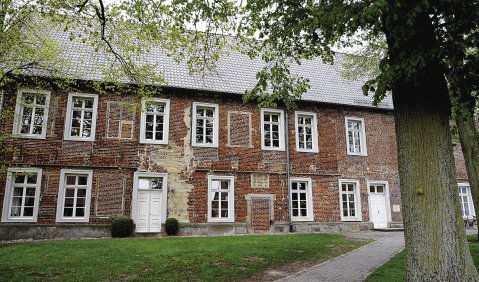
215 184
16 201
89 103
157 183
15 211
68 212
82 180
80 212
81 193
30 192
17 191
71 180
19 178
29 201
28 211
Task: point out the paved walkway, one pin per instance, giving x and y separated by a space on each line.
358 264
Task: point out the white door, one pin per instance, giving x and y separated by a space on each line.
377 205
149 211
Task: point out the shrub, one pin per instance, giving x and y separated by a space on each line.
122 226
172 226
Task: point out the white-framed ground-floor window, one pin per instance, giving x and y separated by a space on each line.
349 199
22 193
221 198
74 194
149 201
465 199
378 196
301 199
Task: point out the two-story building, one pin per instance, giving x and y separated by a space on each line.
196 152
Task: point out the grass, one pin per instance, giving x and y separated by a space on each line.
165 259
395 269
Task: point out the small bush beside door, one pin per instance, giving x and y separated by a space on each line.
172 226
122 226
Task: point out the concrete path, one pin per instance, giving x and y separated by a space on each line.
355 265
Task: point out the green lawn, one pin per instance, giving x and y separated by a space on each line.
171 259
395 269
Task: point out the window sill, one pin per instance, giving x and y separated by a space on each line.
29 136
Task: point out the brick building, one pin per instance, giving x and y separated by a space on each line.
197 153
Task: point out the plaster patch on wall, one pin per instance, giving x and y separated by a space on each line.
176 161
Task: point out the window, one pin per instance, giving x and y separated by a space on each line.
221 199
80 122
155 121
205 125
350 200
31 114
355 136
465 199
306 132
22 193
272 129
74 195
301 199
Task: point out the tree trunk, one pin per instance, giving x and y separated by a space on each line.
436 245
464 114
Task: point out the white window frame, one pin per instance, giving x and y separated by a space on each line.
7 200
166 122
309 199
61 195
314 131
280 132
357 195
69 113
231 198
215 125
472 210
134 201
18 114
362 136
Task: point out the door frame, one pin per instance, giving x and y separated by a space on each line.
164 199
386 193
249 217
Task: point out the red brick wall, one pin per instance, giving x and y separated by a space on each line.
114 160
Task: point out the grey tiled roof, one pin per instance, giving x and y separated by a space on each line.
233 74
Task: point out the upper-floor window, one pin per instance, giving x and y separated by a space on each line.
301 199
80 122
74 195
205 125
306 132
22 193
31 114
272 129
221 198
155 121
350 200
355 136
465 199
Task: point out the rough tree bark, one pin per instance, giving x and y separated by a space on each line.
464 105
436 244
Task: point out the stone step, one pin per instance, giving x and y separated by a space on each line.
396 225
388 229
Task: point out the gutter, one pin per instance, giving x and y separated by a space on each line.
288 168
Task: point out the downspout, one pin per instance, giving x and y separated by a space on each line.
288 168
